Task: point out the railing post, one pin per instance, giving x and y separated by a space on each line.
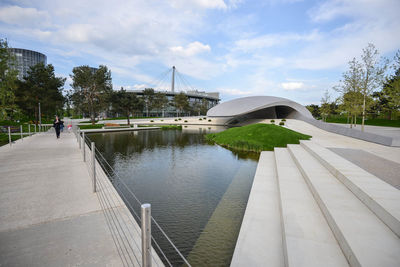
39 126
29 129
94 166
9 135
83 146
79 139
146 235
22 136
35 127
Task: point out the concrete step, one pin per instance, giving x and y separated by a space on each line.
382 198
260 237
308 240
363 237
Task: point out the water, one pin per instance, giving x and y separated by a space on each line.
198 190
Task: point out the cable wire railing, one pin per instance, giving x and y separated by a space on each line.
114 194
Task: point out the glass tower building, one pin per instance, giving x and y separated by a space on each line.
26 58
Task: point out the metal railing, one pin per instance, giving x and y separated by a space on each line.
124 228
19 131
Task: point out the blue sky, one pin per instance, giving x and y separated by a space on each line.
288 48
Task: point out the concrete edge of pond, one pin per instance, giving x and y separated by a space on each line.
118 130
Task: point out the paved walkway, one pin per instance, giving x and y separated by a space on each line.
49 215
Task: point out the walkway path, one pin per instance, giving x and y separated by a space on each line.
49 215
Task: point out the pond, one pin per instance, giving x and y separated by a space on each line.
198 191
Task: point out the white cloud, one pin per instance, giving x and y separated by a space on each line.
291 86
29 17
191 49
207 4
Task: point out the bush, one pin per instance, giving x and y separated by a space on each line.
185 120
209 120
272 121
185 126
151 121
281 123
283 120
200 119
176 119
162 120
204 118
179 119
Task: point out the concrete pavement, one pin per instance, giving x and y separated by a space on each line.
49 215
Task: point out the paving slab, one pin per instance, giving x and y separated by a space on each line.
260 238
363 237
308 240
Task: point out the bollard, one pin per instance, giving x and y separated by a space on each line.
29 129
94 166
146 235
83 146
20 129
9 135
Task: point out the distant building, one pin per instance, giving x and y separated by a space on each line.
211 100
25 59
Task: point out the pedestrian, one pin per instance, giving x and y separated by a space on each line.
57 125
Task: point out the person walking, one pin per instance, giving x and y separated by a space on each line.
57 125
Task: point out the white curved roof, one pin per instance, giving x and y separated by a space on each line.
244 105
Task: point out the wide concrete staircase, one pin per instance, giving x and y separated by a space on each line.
310 207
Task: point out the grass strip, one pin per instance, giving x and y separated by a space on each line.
372 122
257 137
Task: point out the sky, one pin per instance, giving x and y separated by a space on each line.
288 48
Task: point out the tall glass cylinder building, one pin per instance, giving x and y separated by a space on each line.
26 58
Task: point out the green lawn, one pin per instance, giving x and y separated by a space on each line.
257 137
4 138
374 122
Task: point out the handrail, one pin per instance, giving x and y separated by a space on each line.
102 162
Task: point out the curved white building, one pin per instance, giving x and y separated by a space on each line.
258 107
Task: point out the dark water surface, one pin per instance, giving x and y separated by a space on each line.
198 191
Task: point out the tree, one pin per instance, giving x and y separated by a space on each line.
126 103
40 86
350 89
315 110
204 106
391 89
181 102
8 81
92 89
372 75
148 97
160 102
325 105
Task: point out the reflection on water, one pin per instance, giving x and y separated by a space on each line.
187 180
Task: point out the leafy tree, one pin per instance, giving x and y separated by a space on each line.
350 89
391 89
160 102
8 81
181 102
92 89
325 105
148 97
372 75
315 110
41 86
126 103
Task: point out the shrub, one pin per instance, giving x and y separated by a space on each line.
281 123
283 120
209 120
162 120
185 120
179 119
272 121
176 119
185 126
200 119
151 121
204 118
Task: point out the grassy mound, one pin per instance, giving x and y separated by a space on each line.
257 137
